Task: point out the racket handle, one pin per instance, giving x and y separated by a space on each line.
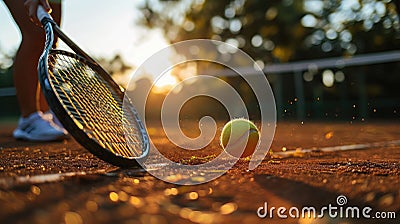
42 14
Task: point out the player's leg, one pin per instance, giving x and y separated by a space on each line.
33 125
25 63
30 98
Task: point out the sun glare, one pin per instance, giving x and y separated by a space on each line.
165 82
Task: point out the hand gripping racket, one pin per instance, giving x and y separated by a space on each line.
88 102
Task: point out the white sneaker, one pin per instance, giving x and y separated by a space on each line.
49 115
37 128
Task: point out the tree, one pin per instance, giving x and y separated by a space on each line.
281 30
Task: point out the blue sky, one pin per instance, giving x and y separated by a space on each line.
101 27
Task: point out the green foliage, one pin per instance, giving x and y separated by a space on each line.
6 78
281 30
115 65
6 60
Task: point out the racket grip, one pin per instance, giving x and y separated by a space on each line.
42 14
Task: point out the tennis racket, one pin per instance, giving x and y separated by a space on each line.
88 102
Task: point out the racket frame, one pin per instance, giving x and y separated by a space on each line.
66 120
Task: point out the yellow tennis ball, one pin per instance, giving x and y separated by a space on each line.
239 135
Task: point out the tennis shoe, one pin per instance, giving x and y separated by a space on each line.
37 127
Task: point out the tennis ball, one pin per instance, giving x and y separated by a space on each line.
239 135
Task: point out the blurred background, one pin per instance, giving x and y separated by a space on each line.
325 59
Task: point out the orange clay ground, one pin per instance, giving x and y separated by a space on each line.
60 182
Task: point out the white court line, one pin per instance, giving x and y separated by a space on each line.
337 148
8 182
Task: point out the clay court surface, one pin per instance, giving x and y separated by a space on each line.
60 182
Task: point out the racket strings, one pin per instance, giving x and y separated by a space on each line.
94 105
109 129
